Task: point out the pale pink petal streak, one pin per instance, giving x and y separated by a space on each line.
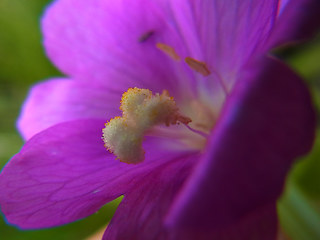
60 100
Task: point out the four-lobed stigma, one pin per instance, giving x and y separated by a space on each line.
141 110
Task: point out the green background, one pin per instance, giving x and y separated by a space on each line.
23 63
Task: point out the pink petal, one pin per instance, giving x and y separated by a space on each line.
224 34
101 40
64 173
107 41
141 212
267 123
61 100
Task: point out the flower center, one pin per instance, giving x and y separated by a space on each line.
141 110
145 114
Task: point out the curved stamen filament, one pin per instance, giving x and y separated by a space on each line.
205 135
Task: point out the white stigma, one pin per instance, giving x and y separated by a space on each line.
141 110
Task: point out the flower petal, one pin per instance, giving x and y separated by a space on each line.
141 212
64 173
107 40
267 123
113 42
61 100
297 20
140 215
261 224
224 34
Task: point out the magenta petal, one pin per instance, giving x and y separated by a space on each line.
64 173
267 123
60 175
107 41
141 212
114 42
297 20
61 100
226 33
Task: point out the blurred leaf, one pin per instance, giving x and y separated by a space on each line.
306 60
307 173
21 56
299 208
299 215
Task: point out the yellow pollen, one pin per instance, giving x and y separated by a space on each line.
198 66
169 51
141 110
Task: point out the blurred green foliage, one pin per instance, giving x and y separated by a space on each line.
23 62
22 59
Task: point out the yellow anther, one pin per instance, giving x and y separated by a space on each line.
198 66
169 51
141 110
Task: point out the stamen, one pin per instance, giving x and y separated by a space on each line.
141 110
198 66
169 51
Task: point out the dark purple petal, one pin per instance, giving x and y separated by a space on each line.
140 214
267 123
261 224
64 173
297 20
61 100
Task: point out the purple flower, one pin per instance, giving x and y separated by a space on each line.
216 177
